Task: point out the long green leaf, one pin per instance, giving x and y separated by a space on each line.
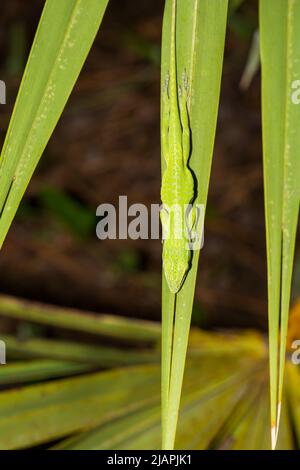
31 371
64 37
280 49
200 34
110 326
102 356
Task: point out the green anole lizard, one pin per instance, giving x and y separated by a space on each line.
177 191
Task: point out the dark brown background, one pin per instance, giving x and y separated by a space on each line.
106 145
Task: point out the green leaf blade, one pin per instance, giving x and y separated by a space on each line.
280 50
51 72
200 36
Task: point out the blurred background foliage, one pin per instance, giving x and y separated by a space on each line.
98 387
106 145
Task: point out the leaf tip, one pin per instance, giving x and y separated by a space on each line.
273 436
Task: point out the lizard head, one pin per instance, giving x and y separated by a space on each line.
175 263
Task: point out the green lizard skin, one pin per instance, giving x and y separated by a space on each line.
177 190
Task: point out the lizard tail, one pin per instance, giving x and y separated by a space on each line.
173 64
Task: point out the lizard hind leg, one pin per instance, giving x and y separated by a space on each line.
196 227
193 218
